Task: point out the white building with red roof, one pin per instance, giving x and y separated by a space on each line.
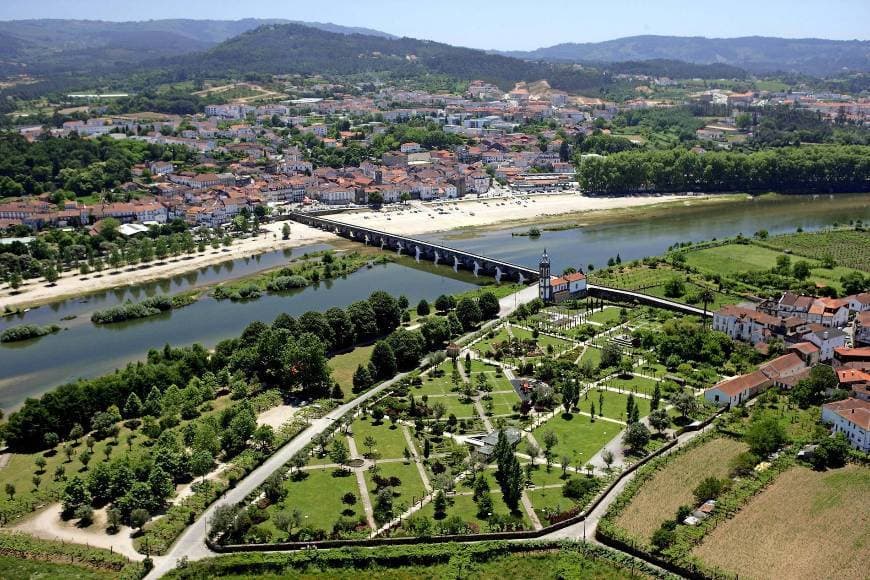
852 418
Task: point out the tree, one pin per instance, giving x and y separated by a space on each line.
831 452
201 463
383 360
489 306
764 436
855 283
570 395
388 315
10 490
656 397
285 231
636 436
578 488
439 503
138 518
362 380
469 313
659 419
813 389
611 354
133 406
709 488
369 443
607 457
423 308
444 303
339 453
685 403
75 494
801 270
706 296
674 288
50 274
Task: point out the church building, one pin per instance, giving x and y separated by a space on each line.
555 289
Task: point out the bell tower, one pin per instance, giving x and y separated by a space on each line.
545 291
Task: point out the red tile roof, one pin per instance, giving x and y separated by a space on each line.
737 385
855 411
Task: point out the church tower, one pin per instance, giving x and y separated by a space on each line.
545 291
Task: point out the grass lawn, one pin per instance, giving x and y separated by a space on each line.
548 500
578 438
610 315
827 511
411 487
318 497
633 384
614 404
464 507
484 345
672 485
389 440
540 475
455 406
503 403
19 568
592 355
733 258
344 365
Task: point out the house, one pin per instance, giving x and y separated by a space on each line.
844 356
736 390
410 147
859 302
485 445
744 323
852 418
807 351
861 329
827 339
855 380
785 371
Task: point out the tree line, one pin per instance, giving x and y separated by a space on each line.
291 355
808 169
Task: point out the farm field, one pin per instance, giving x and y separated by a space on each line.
20 568
827 511
848 247
671 486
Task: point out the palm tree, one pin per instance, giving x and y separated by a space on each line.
707 296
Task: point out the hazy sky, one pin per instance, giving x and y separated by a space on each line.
502 24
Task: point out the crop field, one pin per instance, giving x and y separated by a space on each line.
807 524
634 278
672 486
848 247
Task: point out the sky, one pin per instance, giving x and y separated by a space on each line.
500 24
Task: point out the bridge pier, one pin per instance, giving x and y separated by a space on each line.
437 257
417 256
455 264
498 274
400 248
476 268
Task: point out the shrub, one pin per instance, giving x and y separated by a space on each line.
26 332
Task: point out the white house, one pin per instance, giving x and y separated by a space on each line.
827 340
744 323
736 390
852 418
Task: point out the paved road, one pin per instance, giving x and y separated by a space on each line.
191 544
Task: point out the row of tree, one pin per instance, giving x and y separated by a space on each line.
816 169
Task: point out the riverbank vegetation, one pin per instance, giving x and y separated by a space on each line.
27 332
809 169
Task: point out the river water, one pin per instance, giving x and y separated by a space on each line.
85 350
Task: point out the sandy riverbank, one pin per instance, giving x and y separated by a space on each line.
422 218
74 284
412 219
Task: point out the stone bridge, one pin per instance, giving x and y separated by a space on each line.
498 269
421 249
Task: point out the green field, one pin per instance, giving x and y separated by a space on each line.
579 438
464 507
390 441
609 315
614 404
318 497
849 248
344 365
410 488
21 569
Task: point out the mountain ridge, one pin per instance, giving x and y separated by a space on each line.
757 54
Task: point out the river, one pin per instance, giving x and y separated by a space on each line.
84 350
651 236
